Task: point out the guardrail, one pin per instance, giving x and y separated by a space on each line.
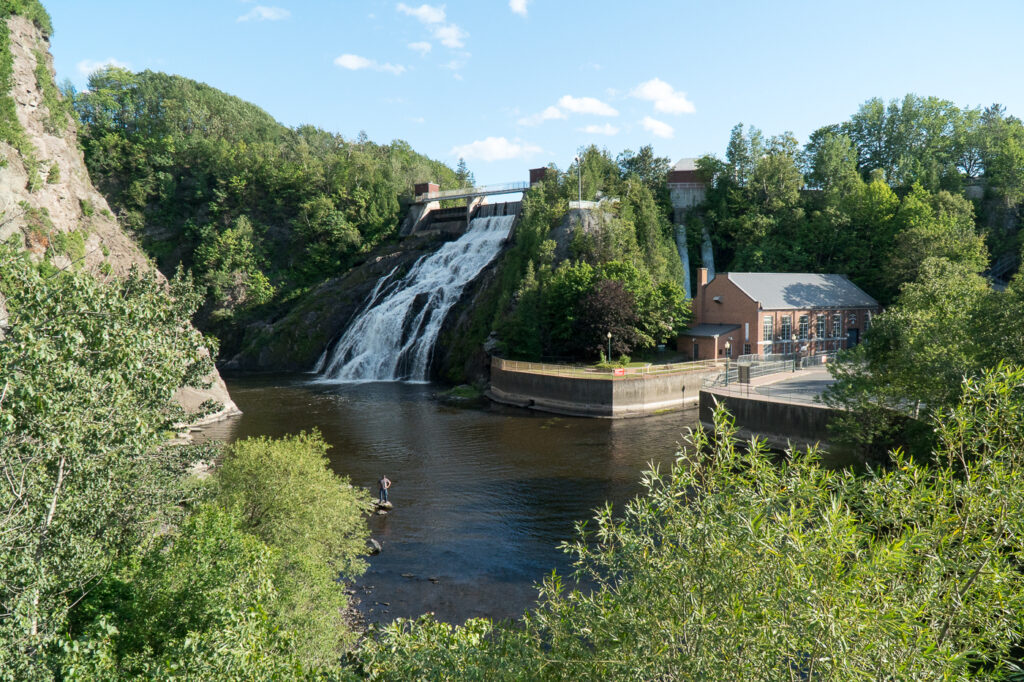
591 372
757 369
507 188
791 394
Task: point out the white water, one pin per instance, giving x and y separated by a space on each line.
393 338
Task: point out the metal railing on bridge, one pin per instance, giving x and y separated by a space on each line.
466 192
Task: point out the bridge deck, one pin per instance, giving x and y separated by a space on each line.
470 192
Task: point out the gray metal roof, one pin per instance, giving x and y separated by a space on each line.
709 329
779 290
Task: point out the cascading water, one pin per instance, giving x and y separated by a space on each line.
393 337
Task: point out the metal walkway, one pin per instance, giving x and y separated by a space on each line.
469 192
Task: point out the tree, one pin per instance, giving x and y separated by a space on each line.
287 497
608 308
736 565
914 357
195 604
87 373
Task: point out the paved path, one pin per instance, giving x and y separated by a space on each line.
802 386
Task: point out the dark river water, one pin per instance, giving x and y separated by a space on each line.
482 496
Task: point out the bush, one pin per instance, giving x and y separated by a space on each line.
734 565
287 496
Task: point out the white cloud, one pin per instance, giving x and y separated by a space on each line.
549 114
87 67
450 35
666 98
606 129
657 128
261 13
518 6
354 62
428 14
586 105
495 149
423 47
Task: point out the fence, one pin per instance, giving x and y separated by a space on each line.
755 369
592 372
819 360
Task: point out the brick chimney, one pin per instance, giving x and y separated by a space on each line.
425 188
698 296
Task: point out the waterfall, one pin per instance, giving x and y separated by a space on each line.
393 338
684 258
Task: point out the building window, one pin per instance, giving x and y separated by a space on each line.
822 321
786 327
805 327
867 320
837 326
746 349
767 331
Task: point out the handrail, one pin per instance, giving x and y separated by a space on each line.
592 372
507 188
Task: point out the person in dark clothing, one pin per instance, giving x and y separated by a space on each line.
383 484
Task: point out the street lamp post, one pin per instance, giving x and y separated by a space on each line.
728 354
579 174
609 346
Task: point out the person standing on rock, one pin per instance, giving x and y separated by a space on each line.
384 483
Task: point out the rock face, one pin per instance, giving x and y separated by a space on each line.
47 199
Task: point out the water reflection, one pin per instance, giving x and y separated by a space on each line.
482 497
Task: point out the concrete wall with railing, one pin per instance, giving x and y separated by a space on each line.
779 421
593 392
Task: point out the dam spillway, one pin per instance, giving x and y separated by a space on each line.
393 337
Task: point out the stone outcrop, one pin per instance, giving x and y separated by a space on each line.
295 341
48 201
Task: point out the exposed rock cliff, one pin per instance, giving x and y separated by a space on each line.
47 200
294 342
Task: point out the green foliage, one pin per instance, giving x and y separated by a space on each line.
58 108
231 267
735 565
32 10
622 273
70 244
287 496
192 605
208 168
946 325
10 127
87 372
244 581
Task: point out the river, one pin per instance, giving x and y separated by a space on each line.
482 496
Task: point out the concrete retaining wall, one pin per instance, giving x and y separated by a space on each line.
603 396
780 423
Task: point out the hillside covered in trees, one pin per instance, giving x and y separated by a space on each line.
259 212
872 197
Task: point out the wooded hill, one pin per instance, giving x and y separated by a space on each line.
259 212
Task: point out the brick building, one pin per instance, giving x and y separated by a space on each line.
744 313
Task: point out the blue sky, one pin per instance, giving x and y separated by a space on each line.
515 84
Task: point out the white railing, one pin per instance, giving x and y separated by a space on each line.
592 372
507 188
